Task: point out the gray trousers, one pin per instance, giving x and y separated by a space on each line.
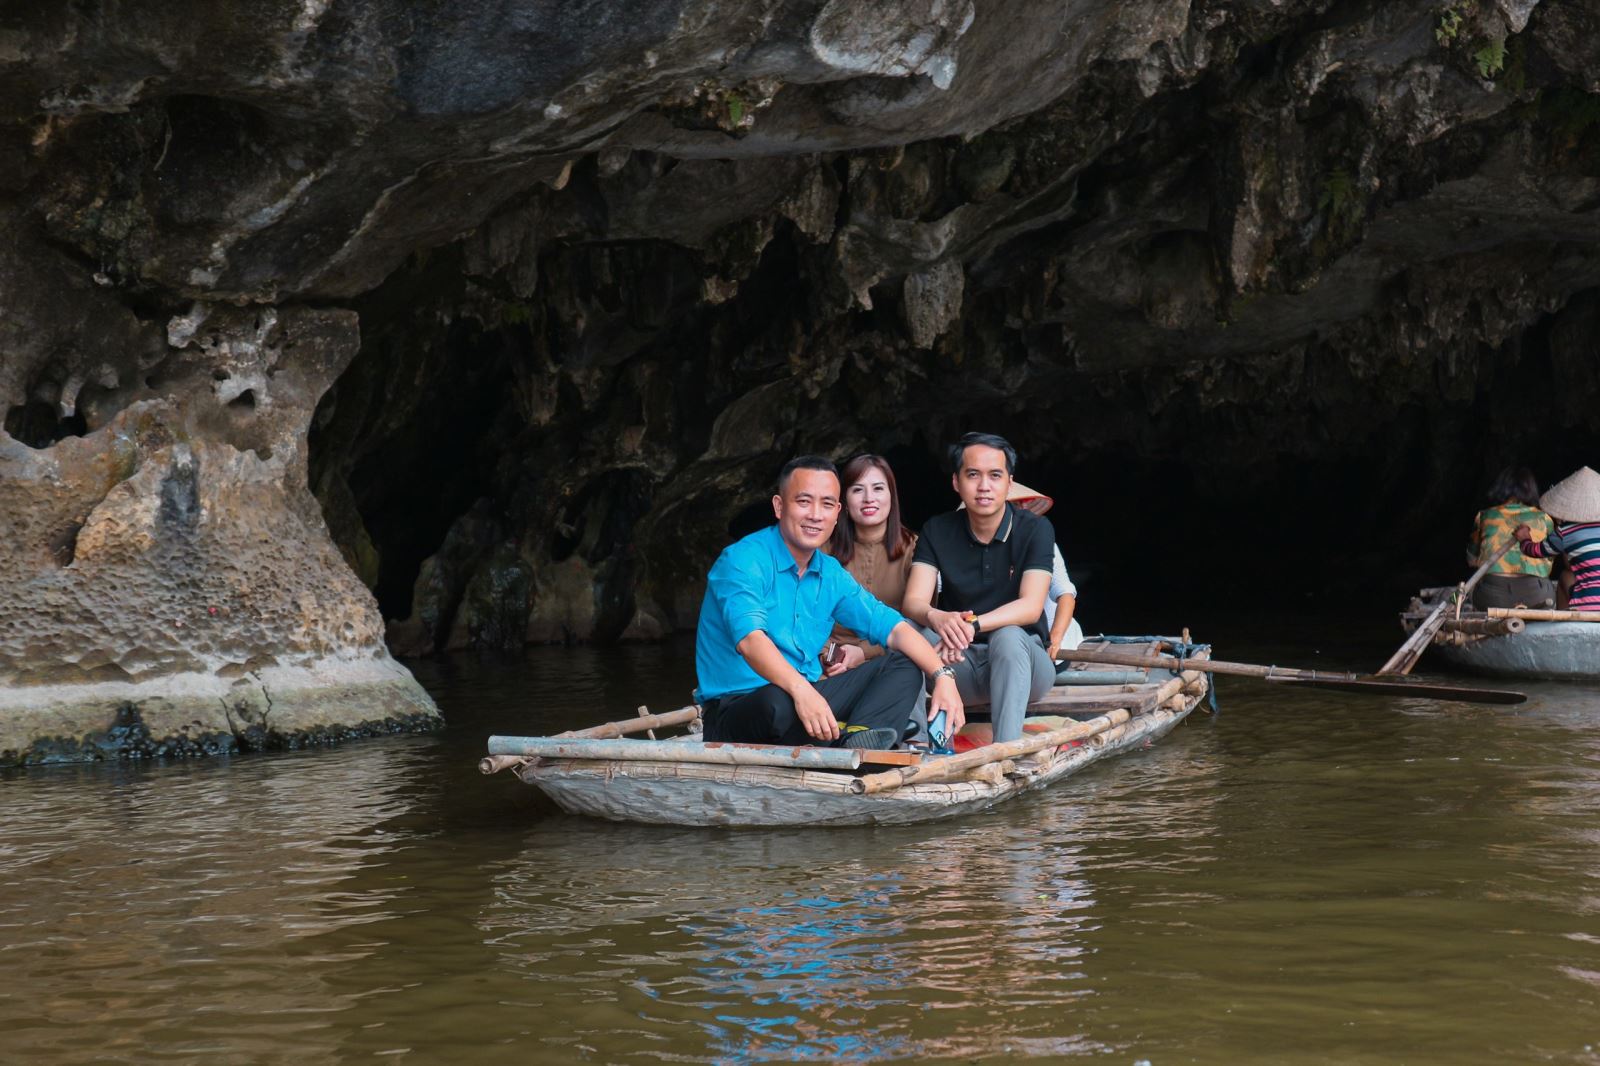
1008 673
1514 590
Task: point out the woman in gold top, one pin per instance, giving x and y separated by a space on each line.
1516 580
873 545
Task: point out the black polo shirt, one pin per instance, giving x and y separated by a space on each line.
980 577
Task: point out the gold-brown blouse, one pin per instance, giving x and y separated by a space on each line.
882 576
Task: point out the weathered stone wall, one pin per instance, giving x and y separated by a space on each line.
170 584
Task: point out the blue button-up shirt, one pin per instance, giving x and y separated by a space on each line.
755 584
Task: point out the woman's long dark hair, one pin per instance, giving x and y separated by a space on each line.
896 538
1515 483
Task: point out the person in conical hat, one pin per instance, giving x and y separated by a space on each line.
1514 580
1060 606
1575 498
1029 499
1574 502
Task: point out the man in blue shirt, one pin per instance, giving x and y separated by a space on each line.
771 601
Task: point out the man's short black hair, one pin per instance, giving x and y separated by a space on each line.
982 440
804 462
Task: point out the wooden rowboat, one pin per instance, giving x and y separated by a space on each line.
603 773
1512 642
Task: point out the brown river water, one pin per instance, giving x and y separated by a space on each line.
1310 877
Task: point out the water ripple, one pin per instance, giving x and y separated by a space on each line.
1308 878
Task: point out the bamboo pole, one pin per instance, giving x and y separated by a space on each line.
693 751
957 765
1406 657
493 764
1175 686
1534 614
1488 627
1368 683
991 773
647 723
681 716
1207 666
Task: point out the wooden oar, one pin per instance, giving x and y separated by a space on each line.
1406 657
1377 686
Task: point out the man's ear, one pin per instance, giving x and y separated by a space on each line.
955 483
777 507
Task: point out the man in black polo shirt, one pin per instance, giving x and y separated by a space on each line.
991 566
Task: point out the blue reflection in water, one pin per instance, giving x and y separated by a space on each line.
814 956
898 963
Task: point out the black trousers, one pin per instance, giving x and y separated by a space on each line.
878 693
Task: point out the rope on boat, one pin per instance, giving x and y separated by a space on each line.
1181 649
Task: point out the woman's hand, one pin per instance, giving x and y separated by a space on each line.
1523 533
845 657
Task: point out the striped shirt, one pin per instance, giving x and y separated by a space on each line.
1580 543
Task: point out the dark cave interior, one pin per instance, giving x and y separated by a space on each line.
1232 504
1260 374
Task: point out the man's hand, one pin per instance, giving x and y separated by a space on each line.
847 657
955 632
946 698
811 707
1055 647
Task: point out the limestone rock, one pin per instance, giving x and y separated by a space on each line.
166 545
932 302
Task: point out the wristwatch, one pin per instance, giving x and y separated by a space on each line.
944 671
971 618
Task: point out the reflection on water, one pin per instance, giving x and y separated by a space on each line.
1311 877
807 945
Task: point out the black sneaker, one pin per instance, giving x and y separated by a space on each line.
870 739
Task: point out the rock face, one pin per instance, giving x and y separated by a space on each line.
171 585
607 266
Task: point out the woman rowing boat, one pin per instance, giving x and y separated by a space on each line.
1515 579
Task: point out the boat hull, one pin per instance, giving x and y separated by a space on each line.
687 794
1555 650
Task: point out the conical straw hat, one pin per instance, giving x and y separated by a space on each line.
1025 498
1575 498
1029 499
